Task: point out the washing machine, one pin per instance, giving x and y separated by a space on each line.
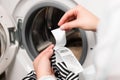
25 25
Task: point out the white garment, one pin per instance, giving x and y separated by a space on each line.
107 51
49 77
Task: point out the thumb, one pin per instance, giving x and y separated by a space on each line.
69 25
46 53
49 52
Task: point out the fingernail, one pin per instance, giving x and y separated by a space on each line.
62 27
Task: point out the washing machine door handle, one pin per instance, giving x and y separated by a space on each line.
8 49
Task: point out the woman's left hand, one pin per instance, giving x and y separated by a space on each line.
42 63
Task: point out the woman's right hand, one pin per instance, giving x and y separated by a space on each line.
78 17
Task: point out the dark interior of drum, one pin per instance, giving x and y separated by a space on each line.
46 19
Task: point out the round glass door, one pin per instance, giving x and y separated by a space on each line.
38 31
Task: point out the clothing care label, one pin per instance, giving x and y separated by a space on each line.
63 54
59 36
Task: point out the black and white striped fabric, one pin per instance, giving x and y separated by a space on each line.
61 71
30 76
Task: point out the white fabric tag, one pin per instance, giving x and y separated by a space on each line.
59 36
64 54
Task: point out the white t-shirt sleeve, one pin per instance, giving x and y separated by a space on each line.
49 77
107 51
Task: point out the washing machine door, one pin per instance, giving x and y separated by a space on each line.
8 46
40 18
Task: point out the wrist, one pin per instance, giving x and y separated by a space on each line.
47 77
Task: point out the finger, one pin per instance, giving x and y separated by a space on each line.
44 52
48 54
66 16
69 25
47 49
42 55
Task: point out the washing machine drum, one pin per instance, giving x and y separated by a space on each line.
38 31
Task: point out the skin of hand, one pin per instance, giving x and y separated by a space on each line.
78 17
42 63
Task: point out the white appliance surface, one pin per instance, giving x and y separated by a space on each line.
19 9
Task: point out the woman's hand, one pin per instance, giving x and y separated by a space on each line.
42 63
78 17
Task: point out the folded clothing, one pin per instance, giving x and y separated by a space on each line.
61 70
30 76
